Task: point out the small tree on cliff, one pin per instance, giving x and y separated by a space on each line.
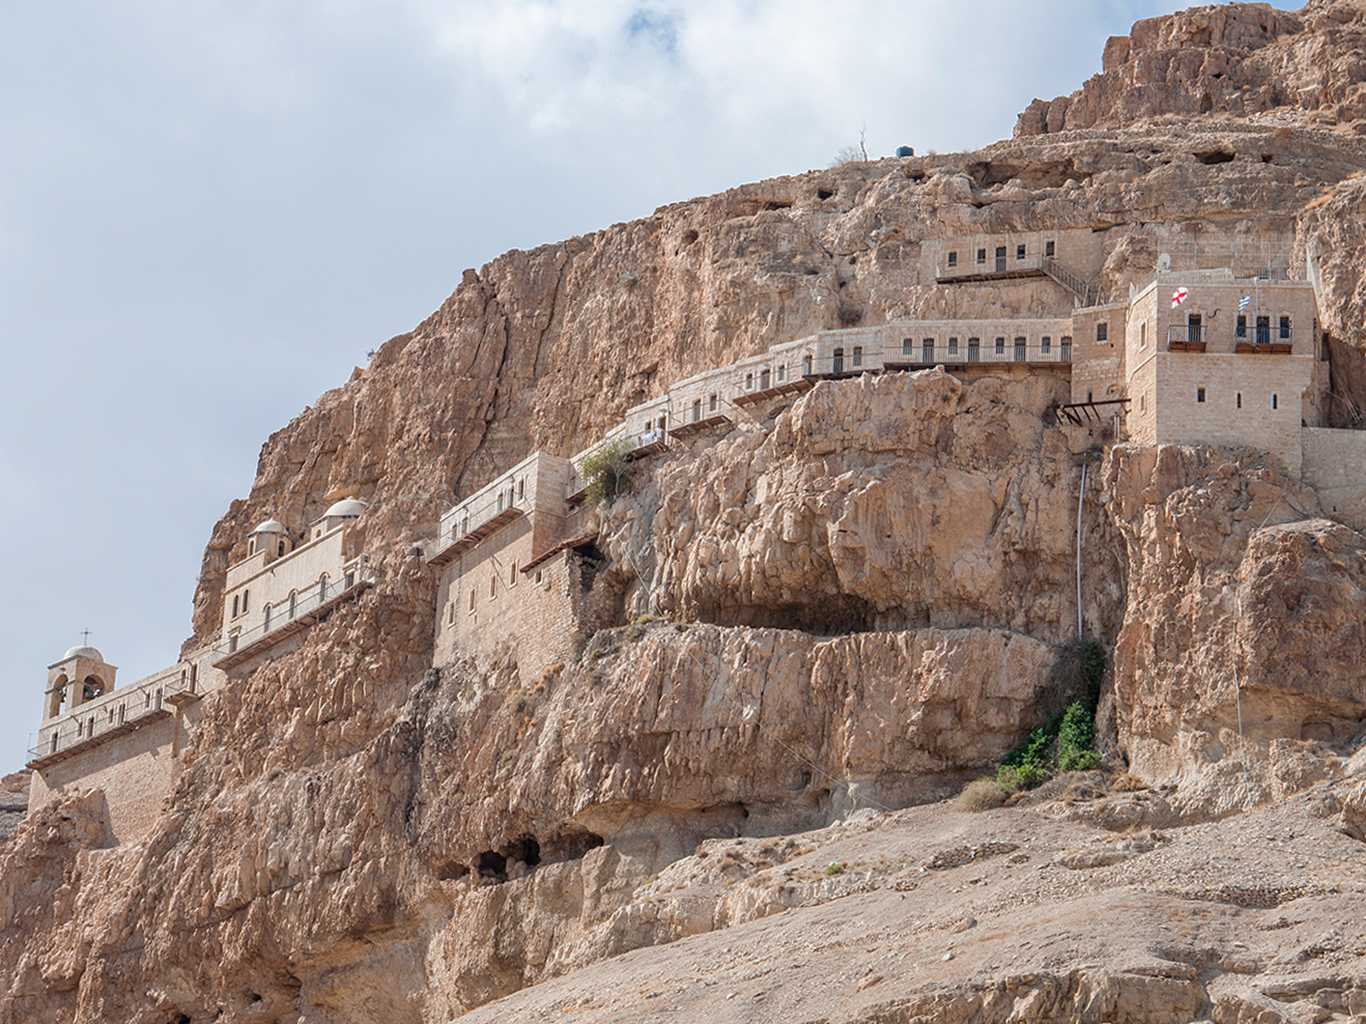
607 471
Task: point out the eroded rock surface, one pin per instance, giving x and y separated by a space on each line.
845 604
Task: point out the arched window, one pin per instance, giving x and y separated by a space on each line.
471 599
251 547
512 575
281 553
764 378
322 588
806 365
450 613
246 597
266 627
236 601
521 489
293 603
493 585
749 382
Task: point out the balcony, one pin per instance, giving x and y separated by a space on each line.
968 355
111 715
1265 340
309 607
1185 338
478 517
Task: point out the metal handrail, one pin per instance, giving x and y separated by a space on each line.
1186 334
109 712
986 353
345 581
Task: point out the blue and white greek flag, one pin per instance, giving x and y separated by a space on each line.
1244 302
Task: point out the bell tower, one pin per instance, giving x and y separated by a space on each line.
80 675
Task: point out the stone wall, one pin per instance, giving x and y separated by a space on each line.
135 772
1252 401
488 605
1334 464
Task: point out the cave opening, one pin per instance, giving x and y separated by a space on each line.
1214 156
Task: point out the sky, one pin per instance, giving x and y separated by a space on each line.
211 212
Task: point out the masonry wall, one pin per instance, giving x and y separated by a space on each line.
487 604
135 771
298 571
1334 464
1220 419
1141 419
1097 366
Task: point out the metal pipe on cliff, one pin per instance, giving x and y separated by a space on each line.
1081 502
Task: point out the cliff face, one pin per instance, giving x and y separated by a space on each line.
852 603
1225 60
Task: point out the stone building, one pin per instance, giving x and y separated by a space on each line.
514 558
1193 354
125 741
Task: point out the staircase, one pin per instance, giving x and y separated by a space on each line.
1087 292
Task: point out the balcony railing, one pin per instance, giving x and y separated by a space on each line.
110 715
1185 338
923 355
285 619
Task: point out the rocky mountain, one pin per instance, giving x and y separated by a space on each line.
815 628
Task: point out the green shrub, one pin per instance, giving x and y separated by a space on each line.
607 471
1075 737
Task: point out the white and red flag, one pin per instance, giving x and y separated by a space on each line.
1179 296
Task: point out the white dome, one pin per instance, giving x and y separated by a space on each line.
84 652
271 526
347 508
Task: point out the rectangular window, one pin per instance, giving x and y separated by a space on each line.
953 346
858 355
927 350
1019 252
1021 350
953 259
1275 401
512 575
471 599
1264 330
1143 334
1065 348
711 403
1045 344
1285 328
1199 394
907 347
974 350
1102 332
1000 346
782 372
981 256
1239 402
1240 329
696 409
1050 249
